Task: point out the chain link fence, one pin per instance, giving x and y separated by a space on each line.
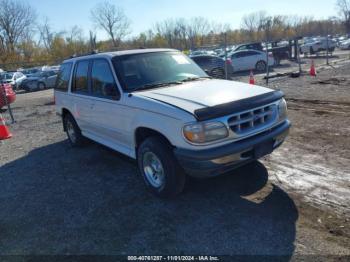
225 58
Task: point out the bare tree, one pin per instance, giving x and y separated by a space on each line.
92 41
253 23
46 34
166 29
197 28
343 7
16 19
113 20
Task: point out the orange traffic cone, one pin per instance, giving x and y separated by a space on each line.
313 69
4 132
251 78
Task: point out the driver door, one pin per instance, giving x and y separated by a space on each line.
109 118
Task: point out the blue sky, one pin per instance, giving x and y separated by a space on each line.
63 14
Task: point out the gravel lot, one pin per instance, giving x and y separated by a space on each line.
59 200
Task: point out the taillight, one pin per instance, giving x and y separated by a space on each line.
229 61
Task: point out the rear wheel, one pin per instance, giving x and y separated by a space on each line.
73 131
260 66
312 51
159 168
218 73
41 86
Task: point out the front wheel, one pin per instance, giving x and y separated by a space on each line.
260 66
159 168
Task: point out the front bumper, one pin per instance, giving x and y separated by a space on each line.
215 161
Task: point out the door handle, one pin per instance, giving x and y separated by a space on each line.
92 106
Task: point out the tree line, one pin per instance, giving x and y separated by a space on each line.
27 41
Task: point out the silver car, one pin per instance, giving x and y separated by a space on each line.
40 81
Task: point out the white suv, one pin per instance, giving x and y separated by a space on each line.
318 45
159 107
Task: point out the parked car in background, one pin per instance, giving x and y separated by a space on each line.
30 71
345 45
13 78
55 68
341 39
250 46
202 52
212 65
7 95
250 60
318 45
40 81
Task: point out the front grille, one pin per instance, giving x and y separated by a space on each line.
253 120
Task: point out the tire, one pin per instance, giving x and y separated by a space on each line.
218 73
73 131
159 168
26 88
260 66
312 51
41 86
277 60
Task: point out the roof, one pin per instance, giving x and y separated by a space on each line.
121 53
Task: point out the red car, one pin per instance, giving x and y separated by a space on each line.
6 90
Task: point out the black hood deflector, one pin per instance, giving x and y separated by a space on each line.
208 113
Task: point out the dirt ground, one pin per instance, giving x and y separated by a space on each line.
59 200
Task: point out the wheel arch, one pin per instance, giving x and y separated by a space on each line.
65 112
142 133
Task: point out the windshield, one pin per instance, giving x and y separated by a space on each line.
141 71
7 76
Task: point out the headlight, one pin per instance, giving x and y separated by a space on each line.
205 132
282 109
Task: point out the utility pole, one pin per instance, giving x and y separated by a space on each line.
225 46
267 26
327 52
298 53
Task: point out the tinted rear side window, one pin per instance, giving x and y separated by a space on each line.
81 77
103 84
63 77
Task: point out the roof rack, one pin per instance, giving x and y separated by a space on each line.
94 52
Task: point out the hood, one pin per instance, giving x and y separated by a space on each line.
197 95
7 81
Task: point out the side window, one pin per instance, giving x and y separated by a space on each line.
251 53
63 77
245 54
103 84
81 77
238 55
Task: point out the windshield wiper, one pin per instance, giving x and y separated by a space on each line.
190 79
155 85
